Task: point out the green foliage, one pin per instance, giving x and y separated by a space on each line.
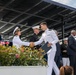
25 56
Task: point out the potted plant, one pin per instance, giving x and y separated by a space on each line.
25 58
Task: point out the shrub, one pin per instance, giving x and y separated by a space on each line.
24 56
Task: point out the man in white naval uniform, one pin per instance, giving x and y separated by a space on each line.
16 39
52 39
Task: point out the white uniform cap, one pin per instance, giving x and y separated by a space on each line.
15 29
35 27
65 39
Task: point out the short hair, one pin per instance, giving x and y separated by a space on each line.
73 31
43 23
66 70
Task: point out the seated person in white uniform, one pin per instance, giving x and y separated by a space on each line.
16 39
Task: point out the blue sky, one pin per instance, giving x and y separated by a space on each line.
71 3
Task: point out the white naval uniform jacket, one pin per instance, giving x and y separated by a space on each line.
18 43
49 36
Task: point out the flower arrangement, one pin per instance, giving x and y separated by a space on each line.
24 56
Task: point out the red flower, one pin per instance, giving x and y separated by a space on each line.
6 43
17 56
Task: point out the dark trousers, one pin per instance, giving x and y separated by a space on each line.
57 60
73 62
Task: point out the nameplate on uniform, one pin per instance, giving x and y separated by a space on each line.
45 47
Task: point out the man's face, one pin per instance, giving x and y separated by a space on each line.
65 41
43 27
74 33
36 31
